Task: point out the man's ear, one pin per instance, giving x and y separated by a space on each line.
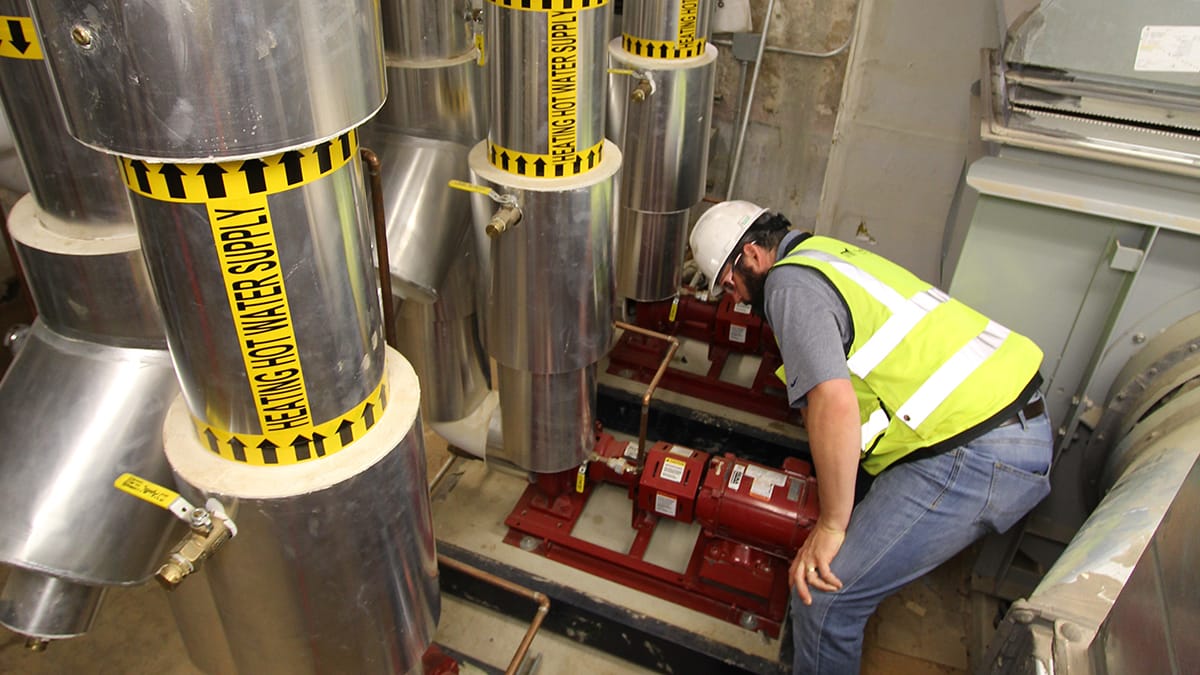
757 258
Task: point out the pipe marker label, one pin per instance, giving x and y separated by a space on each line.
544 166
659 49
235 194
296 445
258 176
19 39
549 5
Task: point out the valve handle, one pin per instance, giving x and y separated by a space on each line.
155 494
509 200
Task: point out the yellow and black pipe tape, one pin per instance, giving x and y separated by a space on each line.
19 39
549 5
235 194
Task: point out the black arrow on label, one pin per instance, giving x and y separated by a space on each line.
324 162
345 139
256 179
504 161
521 164
492 148
212 441
319 444
293 168
268 451
383 398
346 432
578 163
369 415
239 449
300 445
592 159
214 181
17 36
539 167
560 170
143 178
662 50
525 4
173 175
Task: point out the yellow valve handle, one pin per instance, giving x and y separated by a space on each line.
470 187
481 60
157 495
581 478
483 190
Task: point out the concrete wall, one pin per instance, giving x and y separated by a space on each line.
869 145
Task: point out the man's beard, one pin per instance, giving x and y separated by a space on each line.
755 283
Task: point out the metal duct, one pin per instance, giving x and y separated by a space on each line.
550 294
253 221
661 99
85 398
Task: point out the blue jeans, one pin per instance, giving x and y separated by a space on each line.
916 516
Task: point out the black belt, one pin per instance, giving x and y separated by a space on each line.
1031 411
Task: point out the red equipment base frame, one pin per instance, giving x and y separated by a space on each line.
725 579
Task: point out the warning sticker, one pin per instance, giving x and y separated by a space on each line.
1169 49
672 470
665 504
737 333
765 481
735 477
18 39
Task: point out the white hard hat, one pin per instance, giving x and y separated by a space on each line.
716 234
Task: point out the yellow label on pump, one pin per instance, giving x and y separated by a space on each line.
674 309
581 477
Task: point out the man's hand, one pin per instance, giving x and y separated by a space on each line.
811 566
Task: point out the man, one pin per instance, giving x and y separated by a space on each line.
939 403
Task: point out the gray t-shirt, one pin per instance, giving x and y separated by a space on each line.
811 323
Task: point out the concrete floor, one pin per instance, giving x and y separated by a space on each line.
920 631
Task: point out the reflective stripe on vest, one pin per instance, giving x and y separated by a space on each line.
875 425
906 315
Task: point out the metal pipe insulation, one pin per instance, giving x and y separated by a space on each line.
85 397
662 94
549 291
240 151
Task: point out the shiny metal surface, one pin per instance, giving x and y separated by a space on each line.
92 289
75 415
186 81
650 251
42 606
658 20
68 179
427 220
334 568
665 136
436 99
548 419
441 340
199 624
550 294
321 233
518 63
427 29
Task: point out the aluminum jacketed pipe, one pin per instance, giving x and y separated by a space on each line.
550 285
236 129
661 98
85 397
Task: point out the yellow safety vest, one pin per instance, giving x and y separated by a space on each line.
925 367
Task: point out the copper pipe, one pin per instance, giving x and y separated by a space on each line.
542 601
662 368
381 247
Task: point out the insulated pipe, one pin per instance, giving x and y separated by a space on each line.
85 397
242 163
549 297
663 75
